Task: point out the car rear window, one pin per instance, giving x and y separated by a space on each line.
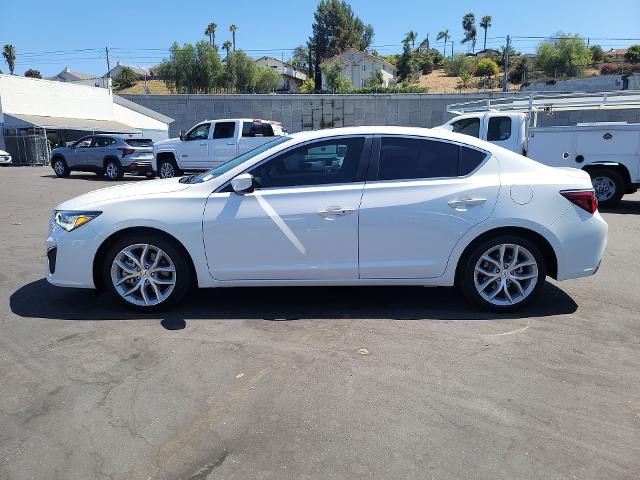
139 142
257 129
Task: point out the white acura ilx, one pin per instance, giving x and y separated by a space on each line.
347 206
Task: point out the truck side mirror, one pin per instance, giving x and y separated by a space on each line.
243 183
182 135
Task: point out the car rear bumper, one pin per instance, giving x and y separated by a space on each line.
140 168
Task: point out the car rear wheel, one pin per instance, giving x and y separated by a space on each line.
504 273
60 167
113 170
147 272
609 186
167 168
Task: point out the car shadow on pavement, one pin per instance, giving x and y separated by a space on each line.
94 178
41 300
625 207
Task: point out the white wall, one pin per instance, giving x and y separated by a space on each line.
32 96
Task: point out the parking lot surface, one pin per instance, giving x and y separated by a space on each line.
312 383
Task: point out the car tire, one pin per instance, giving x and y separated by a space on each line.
113 170
60 167
492 278
609 186
168 168
141 281
100 174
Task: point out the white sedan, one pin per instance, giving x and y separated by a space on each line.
348 206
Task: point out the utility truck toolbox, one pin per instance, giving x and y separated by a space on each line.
608 151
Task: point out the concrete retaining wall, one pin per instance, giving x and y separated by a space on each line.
311 112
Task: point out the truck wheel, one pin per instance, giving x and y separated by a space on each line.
609 186
167 168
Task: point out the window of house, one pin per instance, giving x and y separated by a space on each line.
318 163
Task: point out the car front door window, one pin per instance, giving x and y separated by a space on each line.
467 126
201 132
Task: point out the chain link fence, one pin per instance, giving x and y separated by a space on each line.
27 149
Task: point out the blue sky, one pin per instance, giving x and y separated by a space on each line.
133 29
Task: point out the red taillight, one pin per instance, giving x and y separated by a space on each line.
584 199
127 151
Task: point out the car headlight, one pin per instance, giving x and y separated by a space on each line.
70 220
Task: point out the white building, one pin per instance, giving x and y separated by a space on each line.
142 73
359 66
69 76
37 114
291 79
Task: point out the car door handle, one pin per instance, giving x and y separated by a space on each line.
463 204
203 144
334 211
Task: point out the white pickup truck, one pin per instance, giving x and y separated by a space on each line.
211 143
609 152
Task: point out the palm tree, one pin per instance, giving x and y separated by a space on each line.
469 26
227 46
9 54
233 29
485 23
411 37
444 34
211 32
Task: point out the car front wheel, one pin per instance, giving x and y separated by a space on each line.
147 272
504 273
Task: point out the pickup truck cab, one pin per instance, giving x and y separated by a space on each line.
211 143
608 151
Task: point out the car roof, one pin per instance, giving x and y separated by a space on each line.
393 130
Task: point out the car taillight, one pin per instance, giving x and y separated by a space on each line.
585 199
127 151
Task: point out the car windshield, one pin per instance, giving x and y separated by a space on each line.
234 162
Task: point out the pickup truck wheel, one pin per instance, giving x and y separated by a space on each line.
167 168
60 167
113 169
609 186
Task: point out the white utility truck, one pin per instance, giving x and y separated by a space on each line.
211 143
608 151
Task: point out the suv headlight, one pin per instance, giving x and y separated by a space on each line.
70 220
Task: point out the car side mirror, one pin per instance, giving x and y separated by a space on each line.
243 183
182 135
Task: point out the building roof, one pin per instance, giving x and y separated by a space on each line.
110 126
141 71
136 107
616 51
366 56
67 75
276 60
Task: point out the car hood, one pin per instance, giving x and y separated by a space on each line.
168 141
91 200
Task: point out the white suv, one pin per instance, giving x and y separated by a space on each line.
211 143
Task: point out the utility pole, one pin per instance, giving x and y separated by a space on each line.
505 83
106 49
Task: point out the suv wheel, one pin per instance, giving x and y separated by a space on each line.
60 167
167 168
504 273
146 272
113 170
609 186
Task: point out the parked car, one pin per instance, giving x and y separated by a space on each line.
5 158
347 206
211 143
107 155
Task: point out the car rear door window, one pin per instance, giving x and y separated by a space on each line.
224 130
499 129
318 163
409 158
101 141
257 129
470 159
467 126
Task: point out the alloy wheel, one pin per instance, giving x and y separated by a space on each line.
112 171
605 188
59 167
143 274
167 170
506 274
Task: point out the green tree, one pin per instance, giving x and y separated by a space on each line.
233 28
337 81
470 31
192 69
241 72
566 56
597 54
336 28
376 79
227 46
300 59
633 54
211 33
485 23
486 68
411 37
308 86
31 73
444 35
125 79
407 65
266 80
9 54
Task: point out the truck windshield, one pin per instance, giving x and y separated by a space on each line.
240 159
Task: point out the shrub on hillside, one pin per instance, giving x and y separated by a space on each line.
607 69
486 68
459 63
